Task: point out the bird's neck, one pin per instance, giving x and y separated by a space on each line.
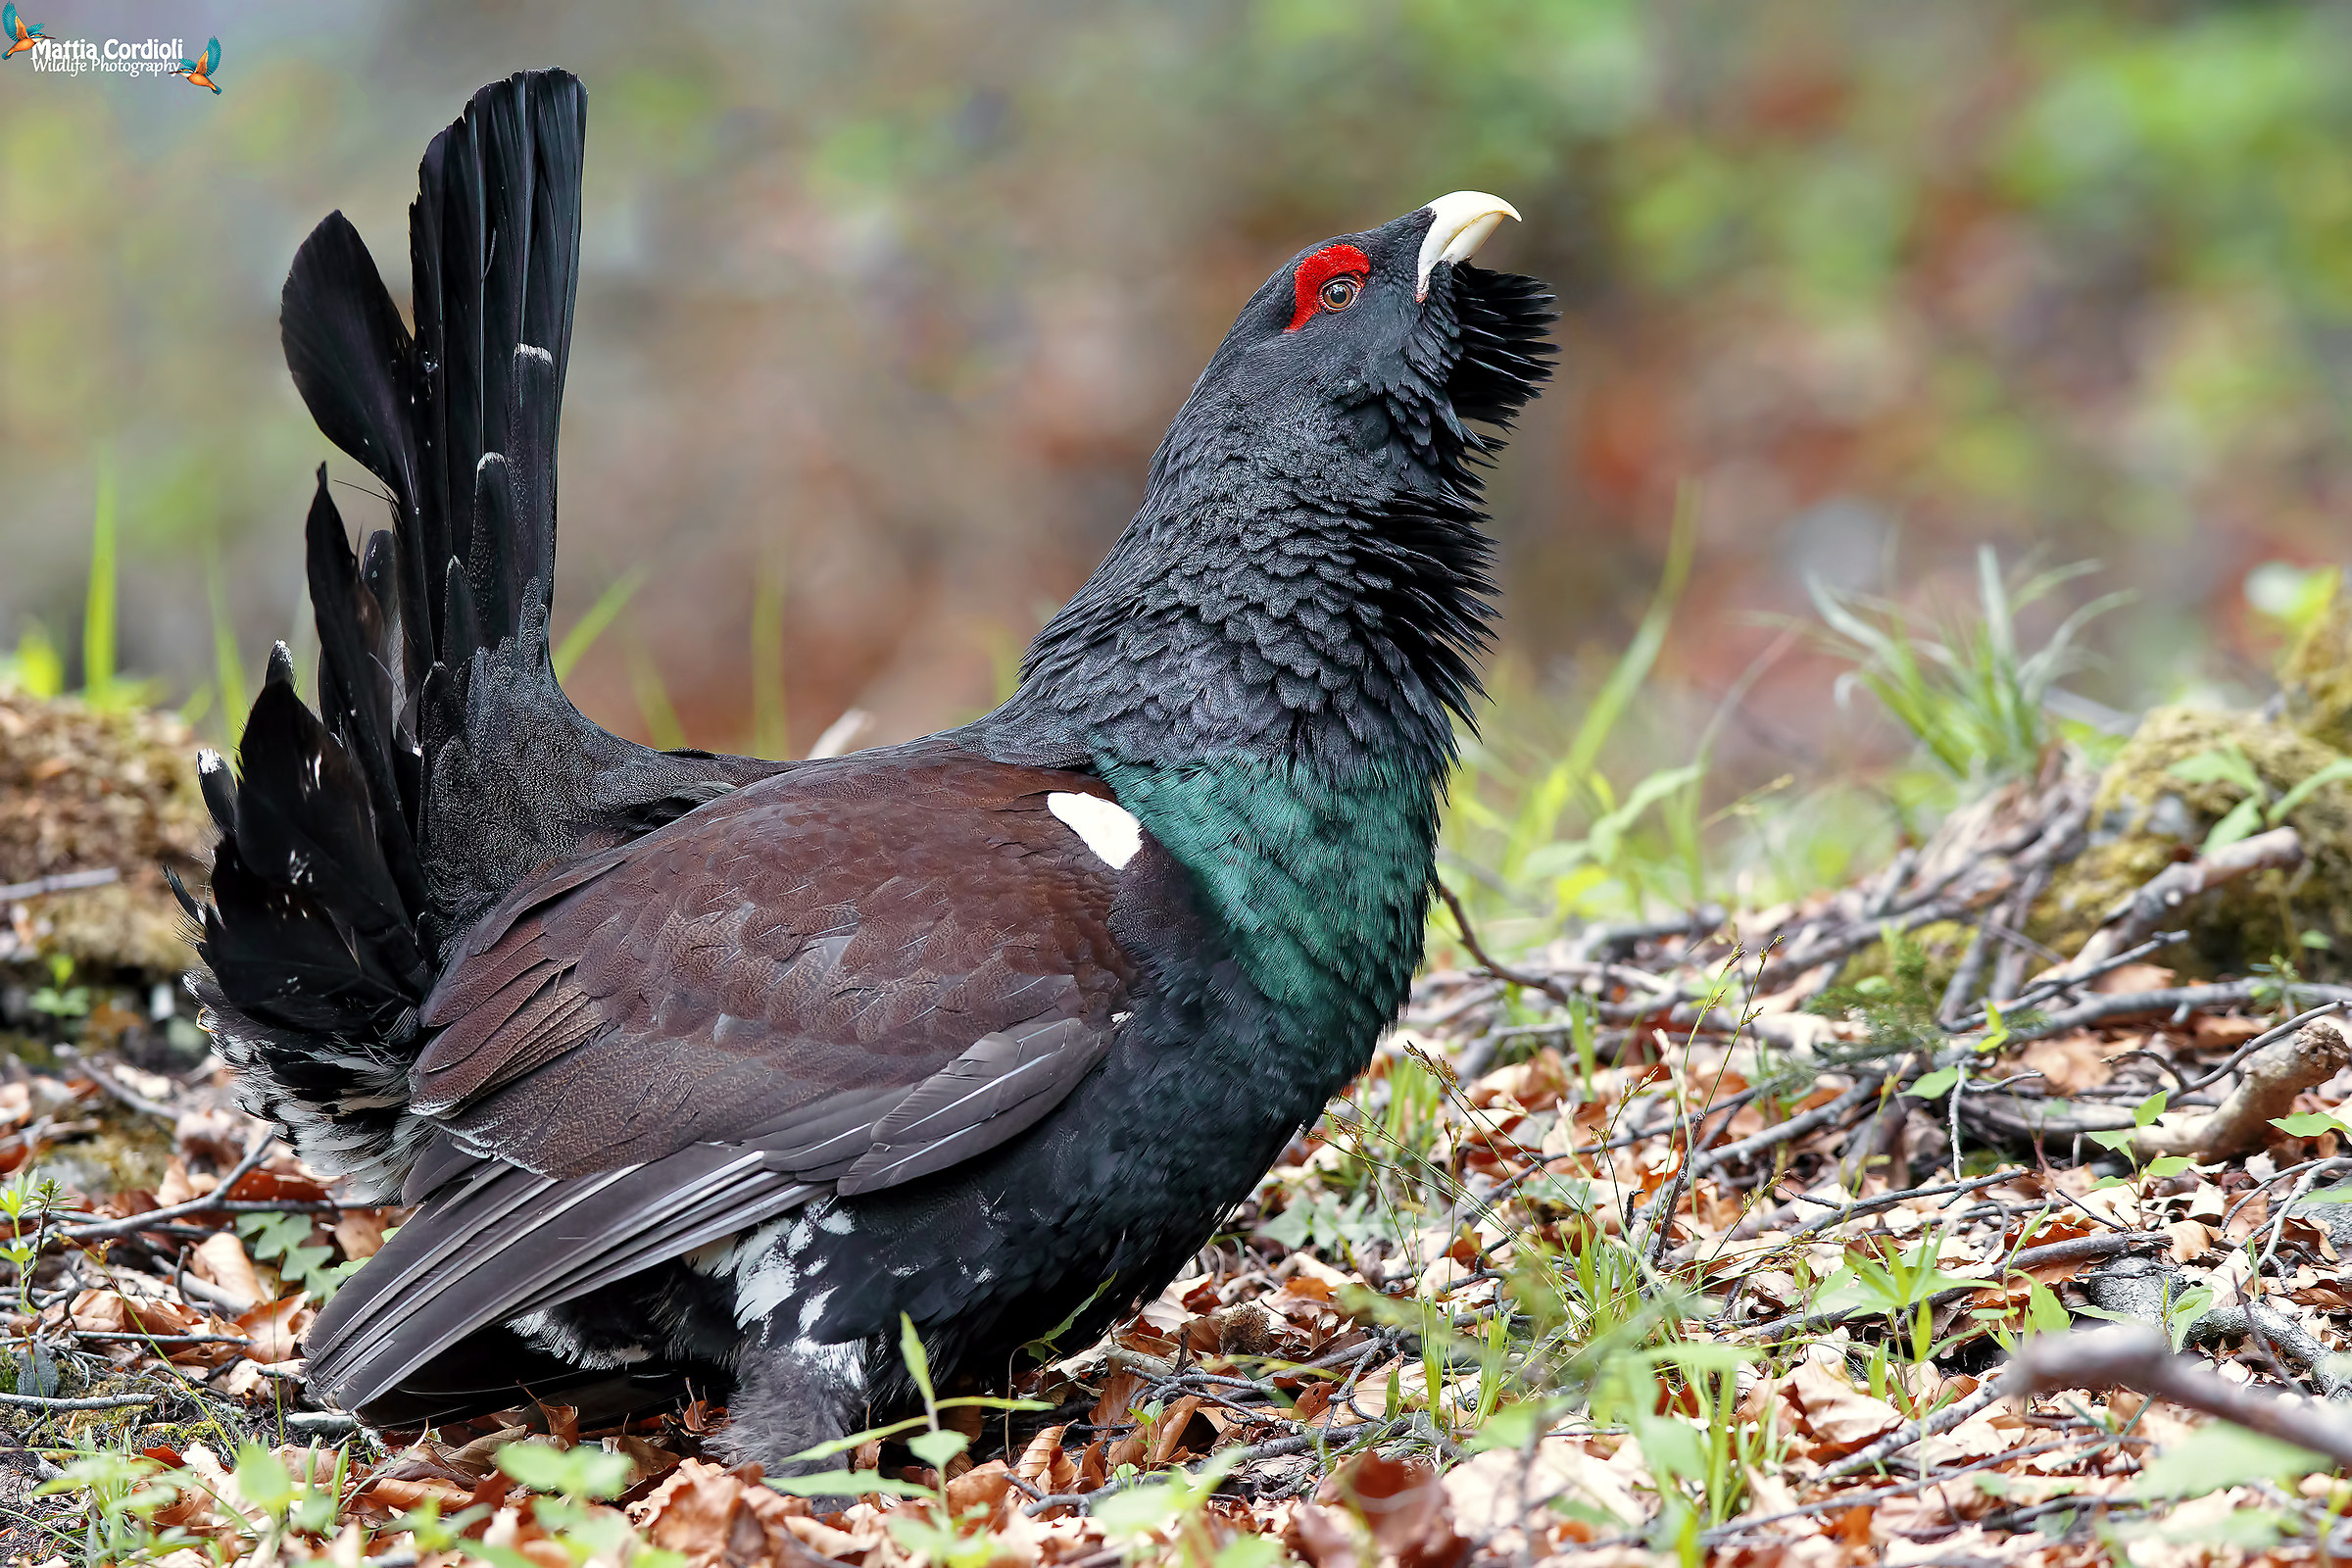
1297 607
1267 675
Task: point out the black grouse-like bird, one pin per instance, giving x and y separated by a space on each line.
705 1069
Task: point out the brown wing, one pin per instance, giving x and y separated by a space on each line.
845 976
788 965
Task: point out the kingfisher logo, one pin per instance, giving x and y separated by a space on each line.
20 35
114 57
199 73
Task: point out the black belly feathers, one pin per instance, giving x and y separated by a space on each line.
703 1068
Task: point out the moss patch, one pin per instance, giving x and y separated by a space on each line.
2145 817
2317 675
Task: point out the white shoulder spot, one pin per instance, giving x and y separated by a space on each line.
1108 831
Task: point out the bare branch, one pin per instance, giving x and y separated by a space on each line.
2136 918
2142 1359
2273 1076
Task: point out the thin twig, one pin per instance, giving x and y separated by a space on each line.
2262 1039
62 882
1896 1442
119 1091
111 1401
1493 965
194 1206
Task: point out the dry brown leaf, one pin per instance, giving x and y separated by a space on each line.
2211 1033
280 1181
1166 1311
1169 1436
1325 1537
982 1485
359 1232
391 1494
274 1330
1036 1464
1839 1415
1538 1082
1118 1393
176 1187
1405 1506
823 1539
2190 1240
711 1516
1304 1274
648 1459
246 1384
112 1312
1484 1491
221 1260
2069 1063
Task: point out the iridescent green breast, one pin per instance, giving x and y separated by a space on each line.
1321 883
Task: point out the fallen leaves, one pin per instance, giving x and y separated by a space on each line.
1839 1417
1332 1357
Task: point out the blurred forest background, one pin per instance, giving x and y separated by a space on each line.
886 304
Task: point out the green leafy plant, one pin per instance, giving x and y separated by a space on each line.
60 998
1175 1503
35 667
2124 1141
284 1240
574 1479
936 1533
2257 809
1898 1284
27 1198
1702 1469
2218 1454
1520 815
38 668
121 1492
1974 700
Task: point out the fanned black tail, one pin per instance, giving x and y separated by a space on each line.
446 761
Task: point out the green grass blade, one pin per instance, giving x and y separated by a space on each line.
37 668
597 621
652 699
98 614
1625 679
229 664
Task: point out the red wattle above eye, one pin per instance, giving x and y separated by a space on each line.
1332 260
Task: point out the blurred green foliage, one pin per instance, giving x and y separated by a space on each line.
905 295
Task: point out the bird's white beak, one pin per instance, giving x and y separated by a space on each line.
1459 225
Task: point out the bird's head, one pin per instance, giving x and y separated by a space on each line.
1380 343
1307 574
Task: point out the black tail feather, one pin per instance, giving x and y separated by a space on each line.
356 695
321 931
446 762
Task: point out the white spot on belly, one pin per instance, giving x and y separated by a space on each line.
1104 826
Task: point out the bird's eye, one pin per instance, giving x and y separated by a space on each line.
1338 293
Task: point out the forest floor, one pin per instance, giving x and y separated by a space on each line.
1869 1228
